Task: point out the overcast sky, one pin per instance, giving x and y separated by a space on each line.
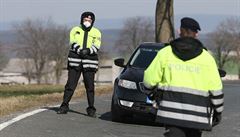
110 13
65 11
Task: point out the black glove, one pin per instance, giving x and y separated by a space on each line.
222 72
151 96
84 52
217 117
144 89
155 95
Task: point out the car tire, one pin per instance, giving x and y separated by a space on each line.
116 114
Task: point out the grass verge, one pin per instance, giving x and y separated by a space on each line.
13 104
29 90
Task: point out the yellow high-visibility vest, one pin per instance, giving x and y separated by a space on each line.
199 73
190 89
77 36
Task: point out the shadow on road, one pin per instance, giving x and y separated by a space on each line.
55 109
135 120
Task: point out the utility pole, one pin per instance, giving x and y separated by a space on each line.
164 21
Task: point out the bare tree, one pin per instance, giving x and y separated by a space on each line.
103 56
222 47
224 41
164 31
58 48
233 27
135 31
45 44
27 65
3 57
32 35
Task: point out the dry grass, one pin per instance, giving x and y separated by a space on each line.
9 105
24 90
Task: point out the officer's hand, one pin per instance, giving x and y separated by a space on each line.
155 95
151 96
217 117
144 89
85 52
222 72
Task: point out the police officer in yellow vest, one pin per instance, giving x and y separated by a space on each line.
85 41
188 84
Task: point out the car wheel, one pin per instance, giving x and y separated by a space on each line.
116 114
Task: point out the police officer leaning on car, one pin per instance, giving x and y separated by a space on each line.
85 41
188 84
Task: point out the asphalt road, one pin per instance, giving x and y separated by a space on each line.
77 124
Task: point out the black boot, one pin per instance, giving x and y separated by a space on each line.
91 111
63 109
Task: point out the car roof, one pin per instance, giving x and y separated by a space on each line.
151 45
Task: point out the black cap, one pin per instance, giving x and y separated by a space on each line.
190 23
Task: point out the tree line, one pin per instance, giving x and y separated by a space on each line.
43 45
225 41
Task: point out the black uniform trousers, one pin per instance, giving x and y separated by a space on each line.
182 132
73 78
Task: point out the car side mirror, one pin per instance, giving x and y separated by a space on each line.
119 62
222 72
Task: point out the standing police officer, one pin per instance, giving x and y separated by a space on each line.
188 82
85 41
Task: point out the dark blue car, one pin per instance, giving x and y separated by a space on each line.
127 99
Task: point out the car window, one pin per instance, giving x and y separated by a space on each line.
143 57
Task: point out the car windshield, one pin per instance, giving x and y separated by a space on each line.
143 57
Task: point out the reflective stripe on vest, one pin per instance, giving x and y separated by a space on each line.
74 64
90 66
85 61
216 92
184 90
184 106
185 117
74 60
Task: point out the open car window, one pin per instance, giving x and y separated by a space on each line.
143 57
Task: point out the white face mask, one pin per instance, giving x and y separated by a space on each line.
87 24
